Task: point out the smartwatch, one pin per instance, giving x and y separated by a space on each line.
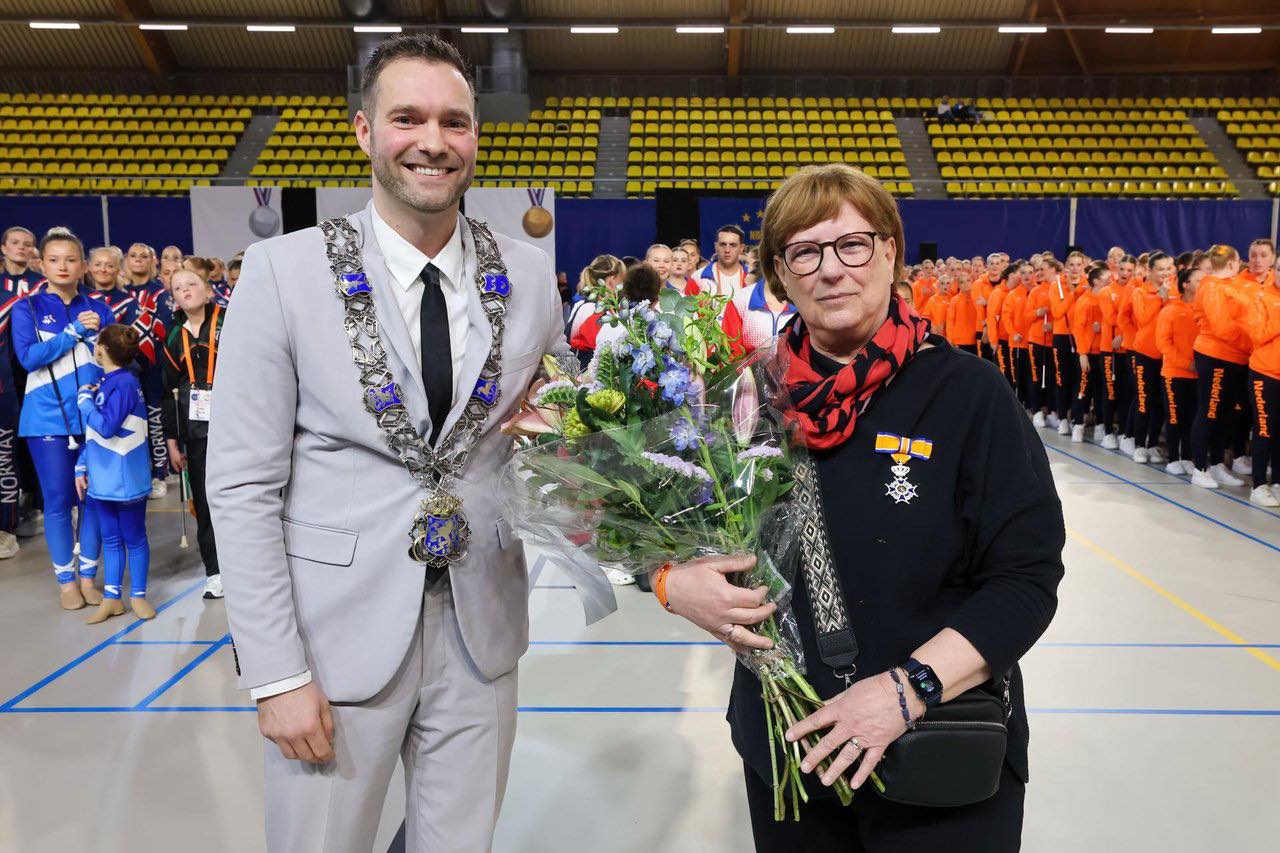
924 682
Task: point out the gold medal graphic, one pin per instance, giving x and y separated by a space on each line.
537 221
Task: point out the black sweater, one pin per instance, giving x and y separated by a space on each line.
177 373
978 549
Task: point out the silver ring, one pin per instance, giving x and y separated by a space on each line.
853 742
728 634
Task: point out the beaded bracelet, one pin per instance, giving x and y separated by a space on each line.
902 700
660 586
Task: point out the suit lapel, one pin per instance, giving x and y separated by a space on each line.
402 360
479 333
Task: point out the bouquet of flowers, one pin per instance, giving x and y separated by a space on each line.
665 449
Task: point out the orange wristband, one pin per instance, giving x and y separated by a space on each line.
660 586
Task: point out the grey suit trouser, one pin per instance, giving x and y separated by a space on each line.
452 727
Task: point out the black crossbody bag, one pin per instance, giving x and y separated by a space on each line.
953 756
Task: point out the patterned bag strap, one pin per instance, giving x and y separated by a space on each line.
836 644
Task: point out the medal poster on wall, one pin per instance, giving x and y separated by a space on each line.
523 213
226 220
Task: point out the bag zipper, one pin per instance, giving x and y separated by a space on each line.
946 724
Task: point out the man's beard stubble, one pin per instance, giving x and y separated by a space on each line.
394 182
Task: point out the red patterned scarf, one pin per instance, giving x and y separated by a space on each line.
826 408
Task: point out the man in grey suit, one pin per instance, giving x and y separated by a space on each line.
322 473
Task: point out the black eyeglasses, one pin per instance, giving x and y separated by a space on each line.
854 250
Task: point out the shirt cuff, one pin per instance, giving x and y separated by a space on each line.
284 685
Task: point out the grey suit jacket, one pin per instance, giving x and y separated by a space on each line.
311 508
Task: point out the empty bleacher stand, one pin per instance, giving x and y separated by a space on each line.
1255 129
95 143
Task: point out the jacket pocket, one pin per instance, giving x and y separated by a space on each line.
319 544
517 363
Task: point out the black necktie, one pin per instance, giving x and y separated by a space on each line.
437 356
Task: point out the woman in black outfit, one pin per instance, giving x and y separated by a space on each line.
949 570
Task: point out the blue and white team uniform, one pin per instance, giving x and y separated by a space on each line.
56 350
117 463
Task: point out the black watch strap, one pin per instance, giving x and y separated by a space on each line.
924 682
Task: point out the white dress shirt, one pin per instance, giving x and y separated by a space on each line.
406 262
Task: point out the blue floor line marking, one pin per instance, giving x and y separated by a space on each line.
1169 500
1183 478
625 643
56 674
658 709
183 673
686 643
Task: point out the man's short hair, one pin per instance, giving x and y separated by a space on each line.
732 229
424 46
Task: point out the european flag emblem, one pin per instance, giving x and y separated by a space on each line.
355 283
486 391
498 285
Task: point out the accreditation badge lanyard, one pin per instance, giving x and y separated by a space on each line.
201 398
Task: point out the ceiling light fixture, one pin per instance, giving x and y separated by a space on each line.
811 31
915 30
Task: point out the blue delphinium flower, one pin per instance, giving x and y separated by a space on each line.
703 496
642 360
685 435
675 384
661 332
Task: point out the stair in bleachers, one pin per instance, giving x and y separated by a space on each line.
240 164
1228 157
921 162
1253 130
611 162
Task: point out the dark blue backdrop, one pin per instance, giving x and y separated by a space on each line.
1174 226
586 227
158 221
82 214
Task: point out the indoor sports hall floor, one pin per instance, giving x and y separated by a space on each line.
1154 698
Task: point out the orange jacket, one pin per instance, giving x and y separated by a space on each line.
1085 314
922 291
1176 330
1124 316
1268 278
1038 298
1219 308
1263 322
936 312
1011 318
994 308
962 320
1146 310
981 289
1061 297
1109 299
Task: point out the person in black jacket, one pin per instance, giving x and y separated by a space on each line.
190 358
944 525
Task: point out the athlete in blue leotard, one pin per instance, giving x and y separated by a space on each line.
53 332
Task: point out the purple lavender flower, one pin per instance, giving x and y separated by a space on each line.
676 465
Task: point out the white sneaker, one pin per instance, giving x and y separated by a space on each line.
1242 466
1077 433
1174 468
1109 442
1037 420
8 545
1128 445
1224 477
1051 420
1156 456
617 577
213 586
1202 479
1099 433
159 488
1188 467
1140 455
1262 497
1064 427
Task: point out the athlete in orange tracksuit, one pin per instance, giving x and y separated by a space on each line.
1222 359
1086 329
1013 327
1040 349
962 320
1117 367
1066 367
1176 330
994 308
935 310
1262 321
1148 299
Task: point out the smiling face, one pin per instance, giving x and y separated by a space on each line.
659 257
842 306
420 135
104 268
